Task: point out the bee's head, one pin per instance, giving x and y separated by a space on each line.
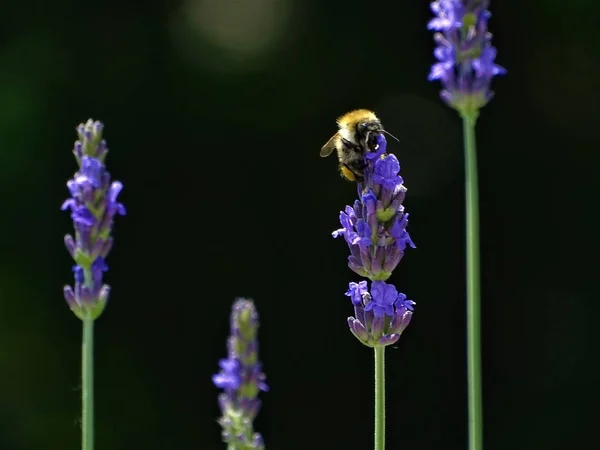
367 132
369 126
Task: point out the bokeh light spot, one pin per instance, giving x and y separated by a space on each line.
229 35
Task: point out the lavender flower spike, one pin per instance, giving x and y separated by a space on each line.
381 315
465 55
93 205
241 379
375 227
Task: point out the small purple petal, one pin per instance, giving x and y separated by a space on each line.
386 172
82 215
356 291
69 204
92 171
381 148
78 274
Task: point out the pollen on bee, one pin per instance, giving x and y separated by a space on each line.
347 173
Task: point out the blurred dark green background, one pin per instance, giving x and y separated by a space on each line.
215 111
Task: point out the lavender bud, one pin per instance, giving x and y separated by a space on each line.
71 245
358 329
404 311
70 297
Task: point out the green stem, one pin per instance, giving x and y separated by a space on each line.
473 290
87 384
379 397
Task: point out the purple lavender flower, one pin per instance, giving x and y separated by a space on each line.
375 231
464 53
375 227
241 379
381 315
93 205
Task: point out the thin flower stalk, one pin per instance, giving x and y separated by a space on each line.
465 67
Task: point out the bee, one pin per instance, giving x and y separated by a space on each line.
357 135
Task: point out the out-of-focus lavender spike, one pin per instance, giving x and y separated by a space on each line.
241 379
465 56
93 205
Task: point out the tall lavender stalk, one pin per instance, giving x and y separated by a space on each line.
465 68
375 230
93 205
241 379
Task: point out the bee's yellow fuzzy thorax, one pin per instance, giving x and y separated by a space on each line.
356 116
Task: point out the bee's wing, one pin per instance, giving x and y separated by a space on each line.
329 147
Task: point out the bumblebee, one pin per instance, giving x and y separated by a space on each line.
357 135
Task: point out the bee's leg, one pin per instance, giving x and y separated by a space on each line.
347 173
